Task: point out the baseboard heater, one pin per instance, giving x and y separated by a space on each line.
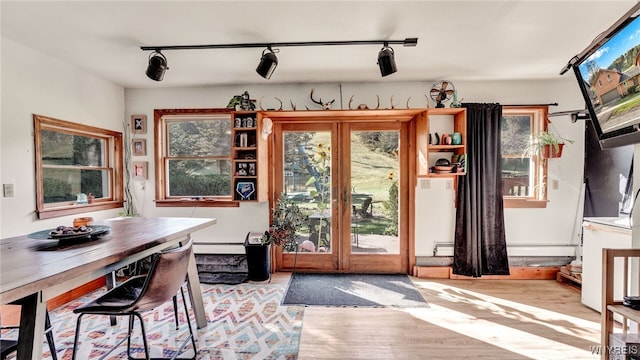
200 247
446 249
221 262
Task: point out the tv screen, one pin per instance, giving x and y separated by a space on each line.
608 74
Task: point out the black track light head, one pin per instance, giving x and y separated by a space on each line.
157 66
386 61
268 63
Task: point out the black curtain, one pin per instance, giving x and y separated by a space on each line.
480 245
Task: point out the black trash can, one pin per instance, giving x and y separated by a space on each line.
258 258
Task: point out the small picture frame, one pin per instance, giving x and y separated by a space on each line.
139 124
242 169
140 170
139 147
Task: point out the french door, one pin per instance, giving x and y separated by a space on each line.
349 179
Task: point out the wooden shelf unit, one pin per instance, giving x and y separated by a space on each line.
441 121
249 153
612 307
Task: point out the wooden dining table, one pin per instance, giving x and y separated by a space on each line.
35 269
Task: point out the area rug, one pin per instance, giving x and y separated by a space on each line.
244 321
353 290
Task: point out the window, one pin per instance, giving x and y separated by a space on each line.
74 159
523 177
193 157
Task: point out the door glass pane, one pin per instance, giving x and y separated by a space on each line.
374 192
307 180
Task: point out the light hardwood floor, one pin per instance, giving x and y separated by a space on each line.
466 319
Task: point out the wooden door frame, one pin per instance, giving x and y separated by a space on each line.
407 116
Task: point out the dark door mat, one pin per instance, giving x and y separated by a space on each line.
367 290
222 278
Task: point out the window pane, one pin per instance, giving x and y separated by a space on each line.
200 138
67 149
516 131
516 179
190 178
64 184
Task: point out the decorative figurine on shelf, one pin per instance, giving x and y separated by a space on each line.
455 103
246 103
242 102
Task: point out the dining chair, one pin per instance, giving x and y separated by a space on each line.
144 292
9 346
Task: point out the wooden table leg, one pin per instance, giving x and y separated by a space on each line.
195 293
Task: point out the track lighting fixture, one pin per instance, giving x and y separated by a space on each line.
268 63
386 61
157 66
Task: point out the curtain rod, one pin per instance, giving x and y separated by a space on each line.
549 104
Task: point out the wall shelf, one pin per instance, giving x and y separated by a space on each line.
249 157
440 121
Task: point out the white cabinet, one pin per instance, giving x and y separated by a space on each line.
599 233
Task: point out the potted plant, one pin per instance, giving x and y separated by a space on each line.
546 145
287 218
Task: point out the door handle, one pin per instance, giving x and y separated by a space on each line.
344 198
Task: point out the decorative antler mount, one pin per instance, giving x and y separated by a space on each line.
363 106
325 105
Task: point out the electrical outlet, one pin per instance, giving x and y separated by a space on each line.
7 190
143 185
448 185
425 184
555 184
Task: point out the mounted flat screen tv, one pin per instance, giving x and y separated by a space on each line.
608 73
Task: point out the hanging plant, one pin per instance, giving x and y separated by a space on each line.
546 145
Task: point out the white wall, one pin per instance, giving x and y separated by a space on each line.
553 225
34 83
61 91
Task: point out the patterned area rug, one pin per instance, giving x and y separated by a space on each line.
244 321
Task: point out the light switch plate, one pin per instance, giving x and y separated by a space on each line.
7 190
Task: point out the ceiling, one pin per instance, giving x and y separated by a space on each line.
458 40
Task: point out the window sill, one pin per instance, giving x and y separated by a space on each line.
524 203
53 212
197 203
